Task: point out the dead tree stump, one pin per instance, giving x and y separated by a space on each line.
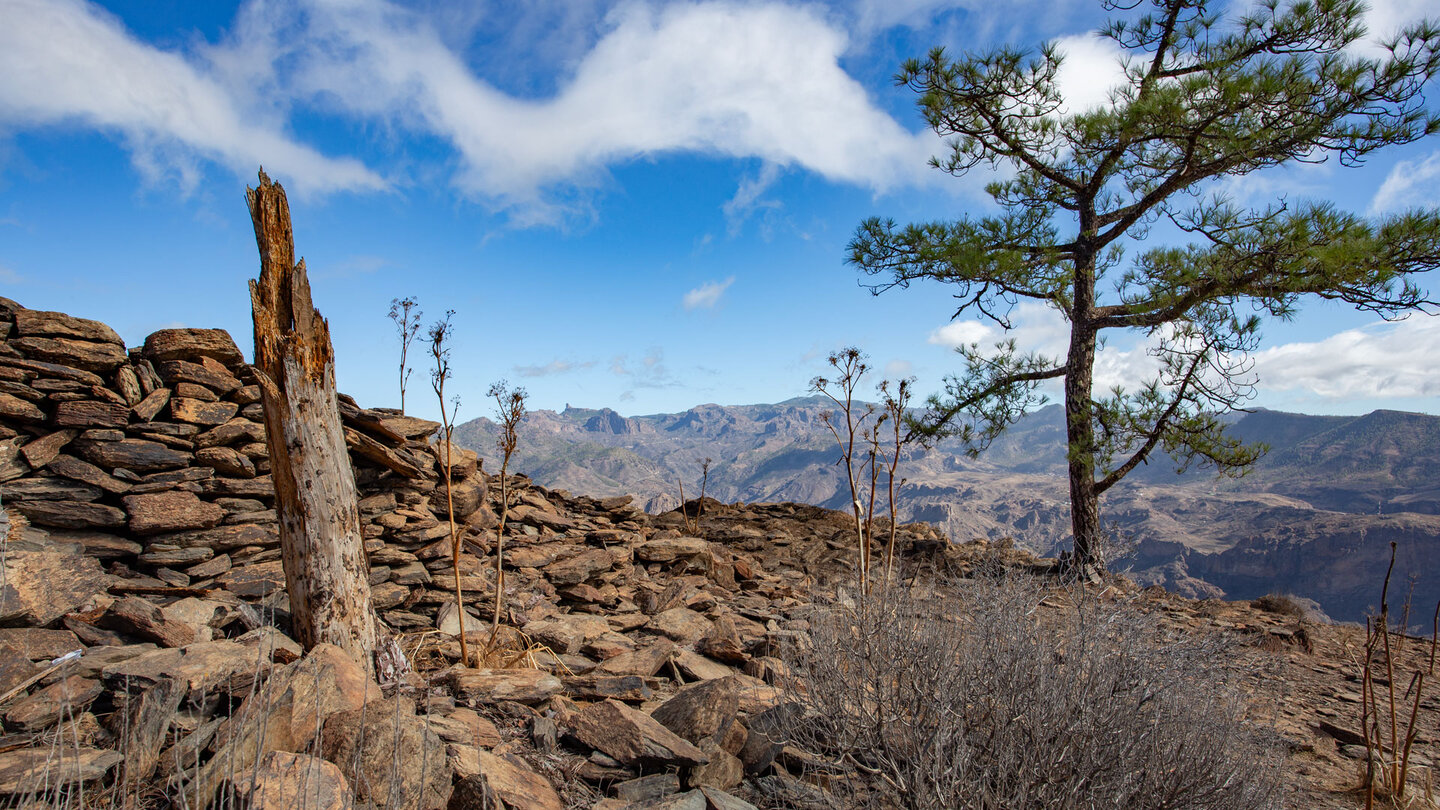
326 572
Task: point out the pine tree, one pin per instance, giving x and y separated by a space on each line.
1206 96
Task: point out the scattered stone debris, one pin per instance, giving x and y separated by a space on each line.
143 613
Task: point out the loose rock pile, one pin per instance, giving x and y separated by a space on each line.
633 664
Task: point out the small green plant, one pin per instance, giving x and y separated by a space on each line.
440 334
895 404
509 409
406 315
693 525
847 425
1387 761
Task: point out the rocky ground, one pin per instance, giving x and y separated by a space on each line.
144 656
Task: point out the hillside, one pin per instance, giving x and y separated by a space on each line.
641 661
1314 516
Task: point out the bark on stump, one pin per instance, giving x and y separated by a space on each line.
326 573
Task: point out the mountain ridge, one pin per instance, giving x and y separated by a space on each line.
1325 481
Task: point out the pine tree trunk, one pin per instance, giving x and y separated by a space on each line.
326 572
1079 426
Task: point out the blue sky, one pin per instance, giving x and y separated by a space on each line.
640 205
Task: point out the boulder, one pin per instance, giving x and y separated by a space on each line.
389 755
630 736
177 510
681 624
628 688
579 568
646 788
147 719
48 489
45 449
411 427
100 545
254 580
700 668
723 771
150 407
236 430
128 384
464 462
716 799
701 711
53 370
222 538
71 514
64 768
768 733
200 412
139 617
38 643
136 455
475 686
67 697
644 662
567 633
287 781
536 556
671 548
87 473
17 409
466 727
504 781
226 461
85 355
466 495
12 461
34 322
286 713
191 345
39 587
161 555
91 414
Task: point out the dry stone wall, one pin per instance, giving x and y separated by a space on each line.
139 530
153 462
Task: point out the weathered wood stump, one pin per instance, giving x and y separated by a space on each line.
326 572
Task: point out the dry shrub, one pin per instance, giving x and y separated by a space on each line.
997 696
1279 603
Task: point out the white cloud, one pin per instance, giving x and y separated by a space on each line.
66 63
650 372
723 78
727 79
748 197
10 276
899 369
707 295
1380 360
1410 184
962 333
552 368
1092 67
1038 328
1386 18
